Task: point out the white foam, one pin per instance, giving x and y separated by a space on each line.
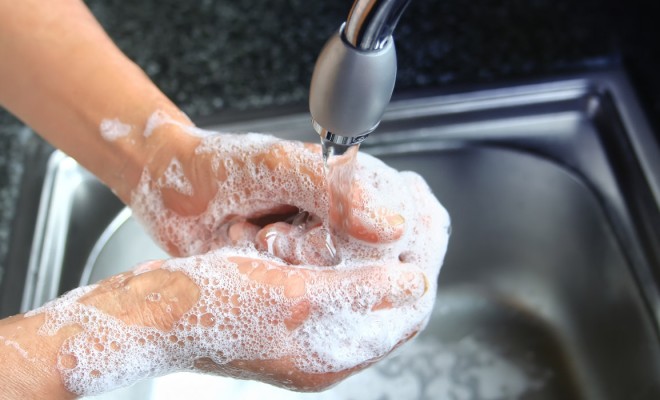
239 318
175 178
159 118
113 129
156 119
16 346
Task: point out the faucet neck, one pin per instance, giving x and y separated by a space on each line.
371 22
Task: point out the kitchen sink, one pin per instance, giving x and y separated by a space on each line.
550 288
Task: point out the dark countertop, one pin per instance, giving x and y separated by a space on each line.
215 57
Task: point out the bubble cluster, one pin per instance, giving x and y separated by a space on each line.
255 174
174 178
253 304
113 129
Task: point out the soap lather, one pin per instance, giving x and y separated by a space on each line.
354 75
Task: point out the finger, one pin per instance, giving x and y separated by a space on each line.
290 156
316 247
298 246
431 218
373 288
284 372
406 286
276 239
362 218
242 233
372 208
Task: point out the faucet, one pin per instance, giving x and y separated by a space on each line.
354 75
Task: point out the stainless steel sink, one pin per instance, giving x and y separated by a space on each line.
550 286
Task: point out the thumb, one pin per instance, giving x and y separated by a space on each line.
356 215
297 246
374 288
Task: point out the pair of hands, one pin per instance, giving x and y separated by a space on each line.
258 297
161 317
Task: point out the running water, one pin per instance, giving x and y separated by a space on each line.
340 163
309 239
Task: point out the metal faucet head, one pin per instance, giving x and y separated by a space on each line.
355 73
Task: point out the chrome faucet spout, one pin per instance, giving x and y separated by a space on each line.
355 73
371 22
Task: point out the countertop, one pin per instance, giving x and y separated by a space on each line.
214 57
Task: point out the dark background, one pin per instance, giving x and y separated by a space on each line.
221 56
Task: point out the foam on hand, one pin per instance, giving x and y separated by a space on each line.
174 178
113 129
238 317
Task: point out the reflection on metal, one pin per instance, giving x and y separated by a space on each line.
371 23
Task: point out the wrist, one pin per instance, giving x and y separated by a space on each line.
172 168
152 137
85 342
29 359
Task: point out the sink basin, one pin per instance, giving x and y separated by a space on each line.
550 285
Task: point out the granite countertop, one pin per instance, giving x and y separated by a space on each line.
215 57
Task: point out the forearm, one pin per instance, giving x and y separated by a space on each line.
33 355
28 361
62 75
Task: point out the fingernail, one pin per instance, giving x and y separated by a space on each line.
395 219
426 284
407 287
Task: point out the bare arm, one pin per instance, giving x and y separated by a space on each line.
31 360
28 361
62 75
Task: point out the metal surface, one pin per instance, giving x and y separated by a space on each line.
350 90
354 75
550 286
370 24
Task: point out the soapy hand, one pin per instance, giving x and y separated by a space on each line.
244 313
259 297
198 184
229 313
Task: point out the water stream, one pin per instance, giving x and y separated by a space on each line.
340 163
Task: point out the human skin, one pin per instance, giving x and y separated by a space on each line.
33 362
62 75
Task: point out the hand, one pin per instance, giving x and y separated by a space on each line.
244 313
197 184
233 315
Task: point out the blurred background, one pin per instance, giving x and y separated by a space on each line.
219 56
